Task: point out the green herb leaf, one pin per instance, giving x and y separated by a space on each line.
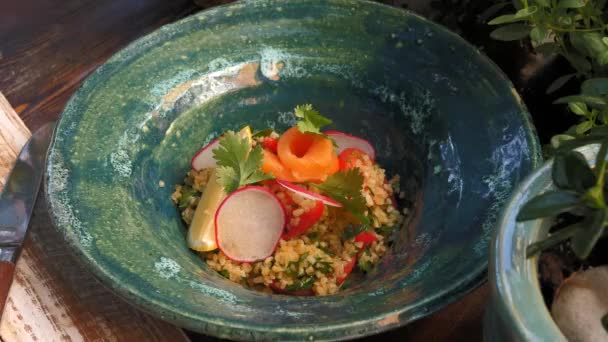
352 231
511 32
578 61
364 266
303 284
324 267
543 3
590 100
187 194
326 250
553 239
571 3
238 164
548 204
522 14
559 82
583 127
585 239
538 35
385 230
571 172
578 108
595 86
345 186
312 121
558 140
589 44
547 49
314 236
224 273
263 133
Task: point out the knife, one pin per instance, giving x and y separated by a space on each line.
17 203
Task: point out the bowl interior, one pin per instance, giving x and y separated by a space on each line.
438 113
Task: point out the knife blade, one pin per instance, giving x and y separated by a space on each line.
17 202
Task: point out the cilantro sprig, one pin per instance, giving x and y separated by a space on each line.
345 186
311 121
238 163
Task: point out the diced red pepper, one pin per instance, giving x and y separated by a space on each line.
348 158
347 269
307 219
270 144
365 238
276 289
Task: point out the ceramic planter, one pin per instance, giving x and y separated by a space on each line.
517 311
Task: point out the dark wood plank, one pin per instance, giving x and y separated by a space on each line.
48 47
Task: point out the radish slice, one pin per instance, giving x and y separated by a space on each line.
204 157
309 194
344 141
249 223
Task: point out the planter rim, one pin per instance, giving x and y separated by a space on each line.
513 277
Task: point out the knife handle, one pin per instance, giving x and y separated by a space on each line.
6 278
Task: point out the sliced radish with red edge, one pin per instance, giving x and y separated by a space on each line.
344 141
249 223
309 194
204 157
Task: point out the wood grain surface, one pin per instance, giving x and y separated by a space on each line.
52 297
47 48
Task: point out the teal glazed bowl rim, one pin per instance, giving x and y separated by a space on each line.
517 302
219 327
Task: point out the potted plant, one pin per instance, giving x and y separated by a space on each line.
549 265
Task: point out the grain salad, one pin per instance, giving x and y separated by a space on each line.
331 218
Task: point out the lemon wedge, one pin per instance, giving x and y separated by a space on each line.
201 234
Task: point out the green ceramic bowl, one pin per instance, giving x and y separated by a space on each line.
438 112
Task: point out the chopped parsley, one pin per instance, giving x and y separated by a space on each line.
302 284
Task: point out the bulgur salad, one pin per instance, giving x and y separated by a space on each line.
292 213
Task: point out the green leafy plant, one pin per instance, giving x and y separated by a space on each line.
579 190
576 30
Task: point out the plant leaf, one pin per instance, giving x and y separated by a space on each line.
571 3
511 18
585 239
511 32
553 239
548 204
559 82
595 86
547 48
492 10
578 61
578 108
558 139
583 127
543 3
587 99
605 322
572 172
538 34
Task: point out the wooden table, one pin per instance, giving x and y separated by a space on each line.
47 48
